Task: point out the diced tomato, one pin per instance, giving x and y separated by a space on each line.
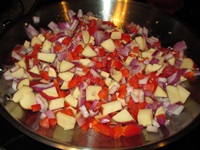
36 107
132 130
45 122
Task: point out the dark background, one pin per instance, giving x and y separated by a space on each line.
11 10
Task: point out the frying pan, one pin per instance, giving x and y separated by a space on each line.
167 28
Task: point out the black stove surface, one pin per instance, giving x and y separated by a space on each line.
12 138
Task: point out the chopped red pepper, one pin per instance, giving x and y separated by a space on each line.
132 130
66 40
36 107
45 122
74 82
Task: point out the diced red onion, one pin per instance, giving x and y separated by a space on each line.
80 120
54 27
74 25
50 114
84 111
7 75
177 63
154 61
99 37
95 73
31 31
180 46
161 120
174 78
175 109
16 55
14 84
113 89
39 87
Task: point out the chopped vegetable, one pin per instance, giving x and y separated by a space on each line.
91 74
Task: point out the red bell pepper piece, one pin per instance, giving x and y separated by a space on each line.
118 131
122 91
117 64
44 75
52 122
66 40
68 112
90 122
103 129
45 122
74 82
126 37
36 107
125 73
133 81
132 130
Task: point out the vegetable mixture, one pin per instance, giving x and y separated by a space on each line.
89 73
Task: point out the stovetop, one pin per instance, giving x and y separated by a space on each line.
12 138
